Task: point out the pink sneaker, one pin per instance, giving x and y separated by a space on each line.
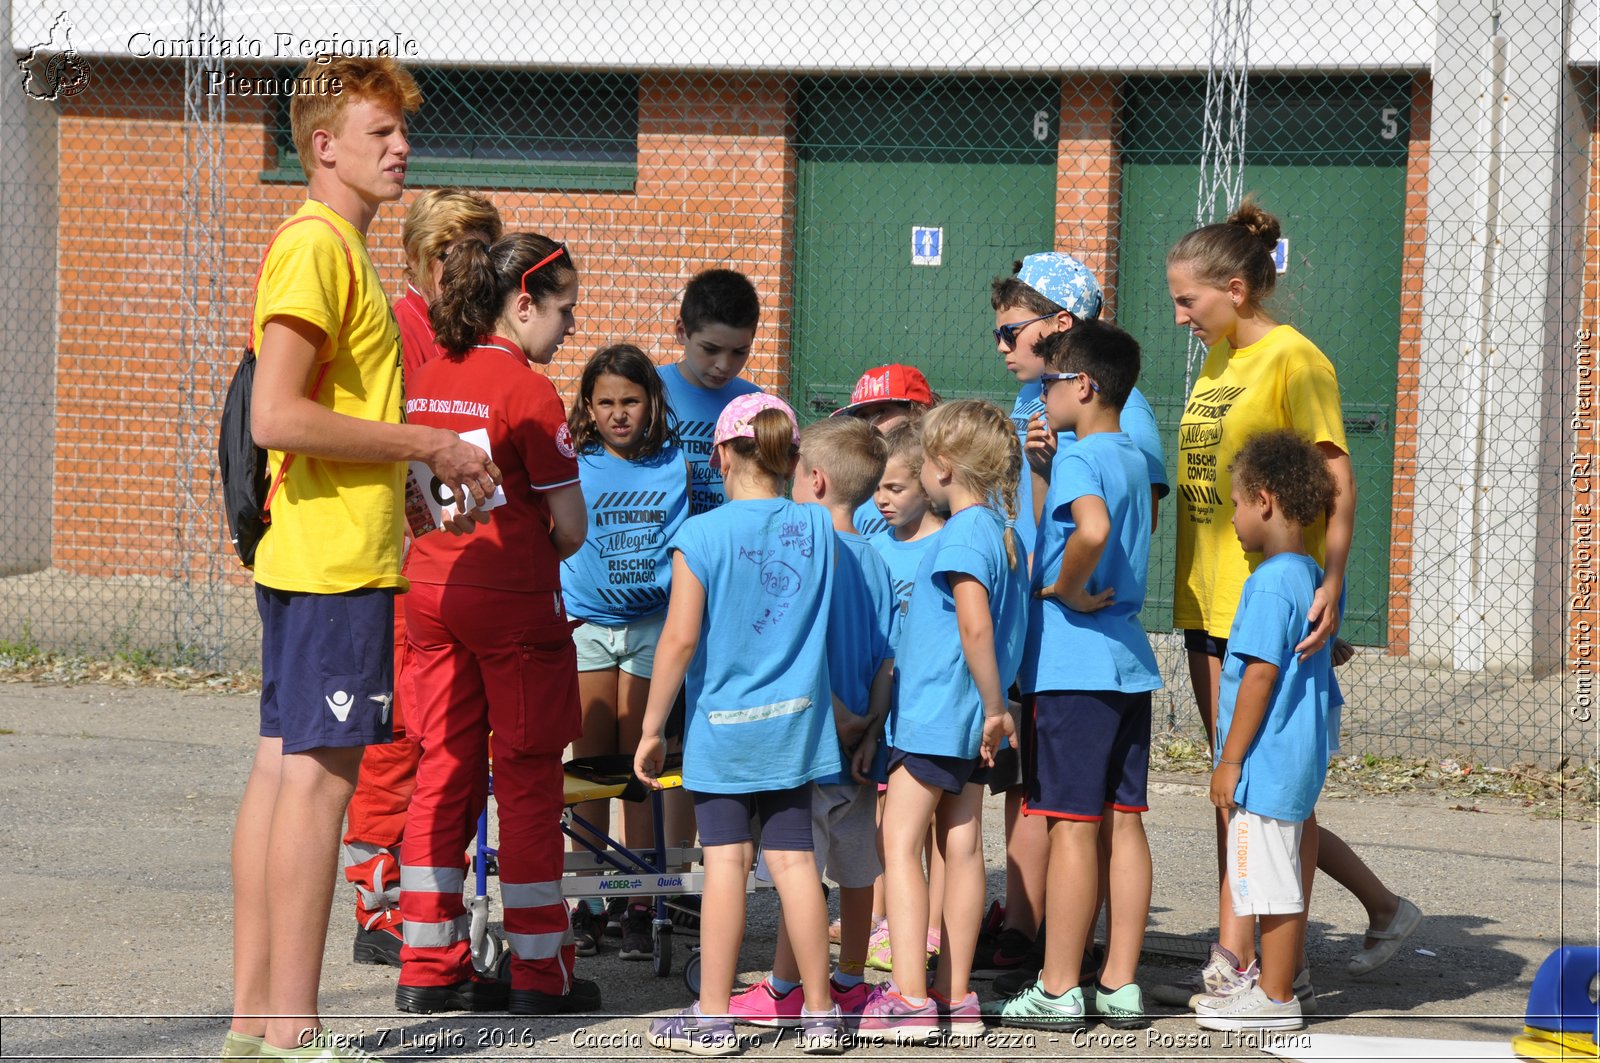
888 1016
762 1005
850 1000
960 1020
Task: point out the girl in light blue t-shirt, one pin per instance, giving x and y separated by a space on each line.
965 626
636 483
746 628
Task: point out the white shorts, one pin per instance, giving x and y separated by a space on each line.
630 647
844 832
844 835
1264 865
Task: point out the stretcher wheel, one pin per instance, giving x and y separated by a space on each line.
661 951
691 974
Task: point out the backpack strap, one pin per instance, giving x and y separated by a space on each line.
344 321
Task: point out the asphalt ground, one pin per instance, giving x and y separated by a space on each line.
116 805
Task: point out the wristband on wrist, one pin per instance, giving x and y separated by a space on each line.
1236 763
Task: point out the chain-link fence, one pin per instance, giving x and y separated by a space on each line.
872 169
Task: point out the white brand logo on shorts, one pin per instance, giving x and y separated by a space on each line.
384 700
340 702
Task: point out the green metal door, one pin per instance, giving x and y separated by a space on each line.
1327 156
955 174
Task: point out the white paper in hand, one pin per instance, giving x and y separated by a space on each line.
440 496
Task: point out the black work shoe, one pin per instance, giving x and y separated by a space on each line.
581 998
636 933
585 930
474 994
380 946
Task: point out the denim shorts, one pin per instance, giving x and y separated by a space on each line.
630 647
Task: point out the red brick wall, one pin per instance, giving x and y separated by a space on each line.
1089 178
715 187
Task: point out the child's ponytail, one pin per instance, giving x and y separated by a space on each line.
774 443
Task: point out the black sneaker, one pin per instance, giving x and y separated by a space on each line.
1013 982
636 933
1012 951
474 994
585 934
581 998
379 946
685 911
615 907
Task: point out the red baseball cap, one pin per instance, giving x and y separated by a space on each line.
888 383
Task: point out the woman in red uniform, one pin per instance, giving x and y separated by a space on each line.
488 647
436 221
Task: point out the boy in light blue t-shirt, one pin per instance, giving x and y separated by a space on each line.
1272 723
1086 678
716 326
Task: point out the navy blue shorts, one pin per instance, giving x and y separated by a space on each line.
1085 751
327 667
784 815
1197 641
950 774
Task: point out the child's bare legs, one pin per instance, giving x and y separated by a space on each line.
597 692
727 868
1071 901
250 831
959 823
1127 899
1281 936
302 857
1234 933
1311 841
908 807
1029 852
879 911
855 927
805 923
936 874
1340 863
638 824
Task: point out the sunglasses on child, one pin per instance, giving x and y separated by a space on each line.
1047 379
1006 335
560 250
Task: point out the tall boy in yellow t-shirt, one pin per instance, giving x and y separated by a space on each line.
329 566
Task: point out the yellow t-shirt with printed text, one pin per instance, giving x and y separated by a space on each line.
1280 381
336 525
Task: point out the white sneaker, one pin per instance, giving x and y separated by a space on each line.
1208 980
1251 1009
1228 983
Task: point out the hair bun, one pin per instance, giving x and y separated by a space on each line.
1258 223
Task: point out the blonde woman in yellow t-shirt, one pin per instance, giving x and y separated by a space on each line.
1258 375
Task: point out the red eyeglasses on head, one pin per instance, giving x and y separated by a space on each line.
560 250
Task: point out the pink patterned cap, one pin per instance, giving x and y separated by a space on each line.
736 421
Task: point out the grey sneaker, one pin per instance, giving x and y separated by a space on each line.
1207 979
699 1035
1250 1009
1303 992
822 1033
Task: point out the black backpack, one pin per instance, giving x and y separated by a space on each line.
247 483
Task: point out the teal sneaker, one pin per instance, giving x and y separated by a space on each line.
1034 1009
1122 1010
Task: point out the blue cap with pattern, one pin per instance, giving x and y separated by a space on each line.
1064 281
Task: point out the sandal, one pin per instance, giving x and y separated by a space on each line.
1406 919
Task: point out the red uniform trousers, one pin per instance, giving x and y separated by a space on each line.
377 814
479 661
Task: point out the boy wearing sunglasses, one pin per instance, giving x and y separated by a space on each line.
1047 293
1087 673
